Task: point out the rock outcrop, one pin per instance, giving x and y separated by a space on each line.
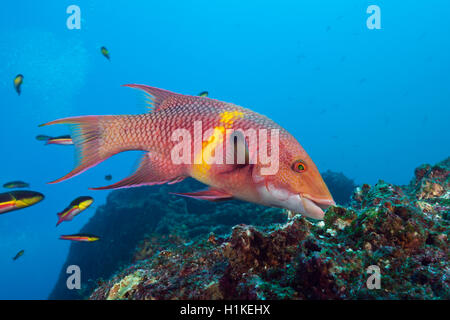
399 231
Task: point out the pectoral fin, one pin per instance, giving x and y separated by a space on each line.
152 170
211 194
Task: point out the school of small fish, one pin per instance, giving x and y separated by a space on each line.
20 199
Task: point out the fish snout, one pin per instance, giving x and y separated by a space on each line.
314 207
315 195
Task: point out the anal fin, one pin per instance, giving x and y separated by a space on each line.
153 169
211 194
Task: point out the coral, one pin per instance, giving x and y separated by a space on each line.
431 181
123 288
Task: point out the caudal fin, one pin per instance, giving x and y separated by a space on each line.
88 135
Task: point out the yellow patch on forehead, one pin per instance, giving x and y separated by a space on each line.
228 117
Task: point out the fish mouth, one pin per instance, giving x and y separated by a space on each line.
315 207
303 203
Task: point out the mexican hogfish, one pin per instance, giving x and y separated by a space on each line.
198 130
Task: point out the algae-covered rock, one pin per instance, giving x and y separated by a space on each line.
402 231
177 248
125 287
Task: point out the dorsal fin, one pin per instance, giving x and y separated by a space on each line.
156 96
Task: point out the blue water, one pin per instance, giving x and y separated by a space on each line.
373 104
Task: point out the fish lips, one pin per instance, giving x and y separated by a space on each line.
308 206
314 208
304 204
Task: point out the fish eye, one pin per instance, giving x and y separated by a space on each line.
299 166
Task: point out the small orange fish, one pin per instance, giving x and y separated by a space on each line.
82 237
191 136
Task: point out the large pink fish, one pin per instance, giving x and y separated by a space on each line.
237 152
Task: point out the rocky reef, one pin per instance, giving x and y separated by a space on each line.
237 250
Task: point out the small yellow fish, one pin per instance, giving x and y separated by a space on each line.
105 53
18 80
80 237
65 140
76 207
42 137
16 200
19 254
203 94
15 184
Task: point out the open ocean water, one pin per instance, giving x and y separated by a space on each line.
371 103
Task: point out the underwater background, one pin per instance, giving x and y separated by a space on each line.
372 104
